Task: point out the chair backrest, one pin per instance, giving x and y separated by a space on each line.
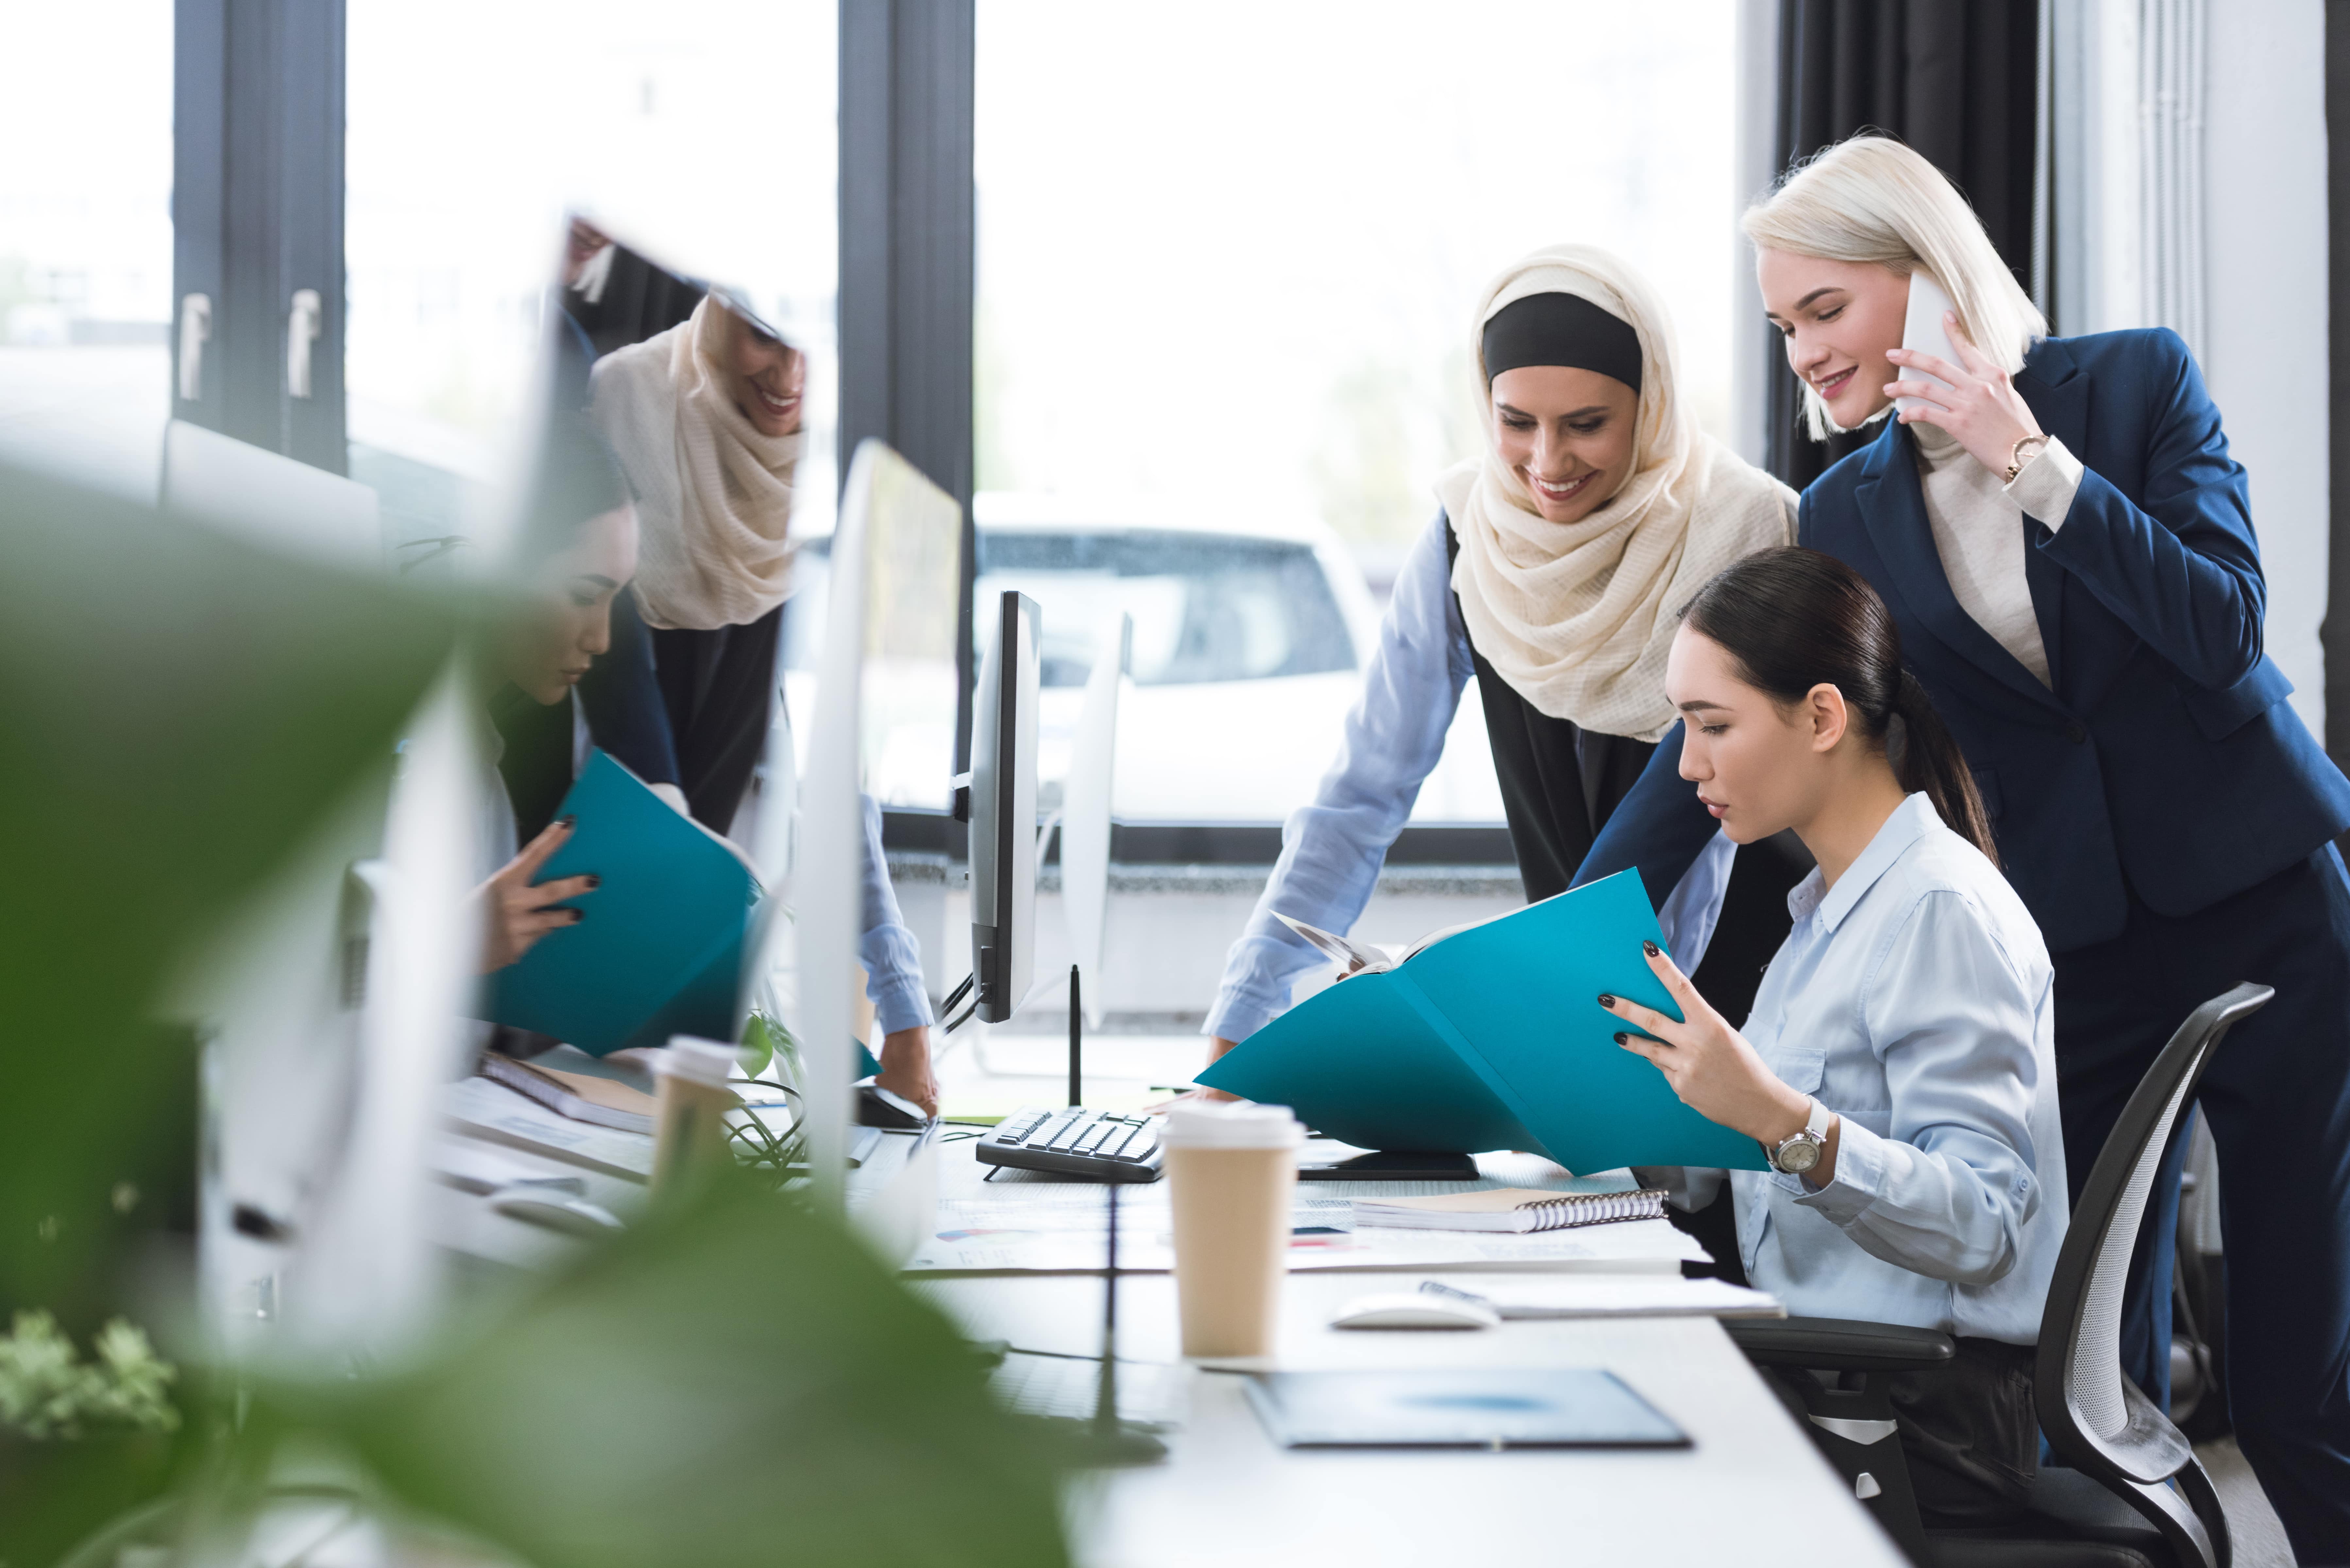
2097 1419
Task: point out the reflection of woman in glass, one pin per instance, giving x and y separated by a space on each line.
1552 574
581 544
706 419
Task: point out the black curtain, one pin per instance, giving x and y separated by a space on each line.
1957 81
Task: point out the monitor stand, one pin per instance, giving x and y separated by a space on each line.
1393 1165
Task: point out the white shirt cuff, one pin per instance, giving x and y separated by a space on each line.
1859 1175
2045 487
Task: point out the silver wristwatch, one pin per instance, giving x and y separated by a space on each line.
1800 1153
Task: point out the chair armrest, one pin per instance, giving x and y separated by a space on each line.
1840 1345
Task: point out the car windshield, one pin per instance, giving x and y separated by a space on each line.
1206 607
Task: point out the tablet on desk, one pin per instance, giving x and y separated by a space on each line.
1462 1407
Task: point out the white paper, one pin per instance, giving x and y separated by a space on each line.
1635 1296
1065 1233
494 1111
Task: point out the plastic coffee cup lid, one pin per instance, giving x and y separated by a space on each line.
698 1061
1232 1126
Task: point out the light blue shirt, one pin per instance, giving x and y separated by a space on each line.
1915 1000
891 957
1331 850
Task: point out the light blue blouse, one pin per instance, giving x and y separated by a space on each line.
1915 1000
1331 850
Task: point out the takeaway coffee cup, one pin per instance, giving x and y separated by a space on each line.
1230 1172
690 1105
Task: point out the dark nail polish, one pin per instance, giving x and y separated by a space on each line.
566 822
578 916
595 881
1651 948
1620 1038
1606 1000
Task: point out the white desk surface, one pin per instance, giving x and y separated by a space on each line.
1227 1494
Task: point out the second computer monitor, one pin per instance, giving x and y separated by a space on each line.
1004 812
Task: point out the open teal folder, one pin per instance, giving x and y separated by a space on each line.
661 951
1493 1038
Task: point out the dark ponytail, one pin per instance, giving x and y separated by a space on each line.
1796 619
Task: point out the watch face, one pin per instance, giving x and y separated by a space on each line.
1798 1155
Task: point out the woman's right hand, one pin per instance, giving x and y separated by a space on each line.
515 913
1198 1093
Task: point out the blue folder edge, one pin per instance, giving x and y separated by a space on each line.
660 952
1493 1039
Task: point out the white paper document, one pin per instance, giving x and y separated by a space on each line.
1632 1295
484 1110
1069 1235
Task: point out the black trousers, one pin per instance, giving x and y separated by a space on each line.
2277 1093
718 688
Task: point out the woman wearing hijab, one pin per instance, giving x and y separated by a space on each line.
1552 574
2068 546
706 419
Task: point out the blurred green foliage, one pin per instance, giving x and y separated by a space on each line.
49 1391
730 1381
176 711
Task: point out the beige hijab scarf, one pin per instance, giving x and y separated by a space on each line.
1578 617
713 494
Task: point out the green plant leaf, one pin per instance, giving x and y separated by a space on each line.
176 709
734 1384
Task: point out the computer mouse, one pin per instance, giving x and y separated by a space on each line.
1401 1309
573 1216
877 1108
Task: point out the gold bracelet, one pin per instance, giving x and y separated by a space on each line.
2015 458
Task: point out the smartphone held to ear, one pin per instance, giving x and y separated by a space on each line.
1923 332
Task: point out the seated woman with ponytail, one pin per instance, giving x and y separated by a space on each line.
1899 1066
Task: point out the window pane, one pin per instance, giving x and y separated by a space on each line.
85 240
1227 253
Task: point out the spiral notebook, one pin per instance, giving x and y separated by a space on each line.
1511 1209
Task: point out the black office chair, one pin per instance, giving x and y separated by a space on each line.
2126 1490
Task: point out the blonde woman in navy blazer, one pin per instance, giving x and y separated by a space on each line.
2069 550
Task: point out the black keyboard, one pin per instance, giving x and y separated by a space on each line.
1073 1141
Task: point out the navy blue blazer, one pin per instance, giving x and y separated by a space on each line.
2165 759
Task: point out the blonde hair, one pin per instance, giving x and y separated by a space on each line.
1871 199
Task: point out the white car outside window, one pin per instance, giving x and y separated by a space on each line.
1249 644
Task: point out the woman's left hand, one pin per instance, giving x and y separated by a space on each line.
1980 406
1709 1064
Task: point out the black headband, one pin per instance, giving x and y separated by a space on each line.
1562 329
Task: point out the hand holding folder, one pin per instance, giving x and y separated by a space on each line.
1492 1038
663 954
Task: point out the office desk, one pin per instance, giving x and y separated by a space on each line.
1227 1495
1750 1484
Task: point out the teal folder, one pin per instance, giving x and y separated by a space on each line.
1493 1038
661 951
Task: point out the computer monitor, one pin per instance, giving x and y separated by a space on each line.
1004 811
883 698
